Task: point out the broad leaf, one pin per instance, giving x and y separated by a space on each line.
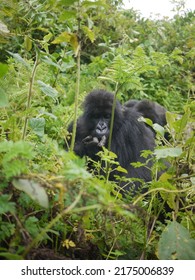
175 243
38 126
48 90
168 152
33 189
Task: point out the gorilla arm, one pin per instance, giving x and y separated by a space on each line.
86 144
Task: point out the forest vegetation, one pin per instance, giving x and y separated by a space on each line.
52 54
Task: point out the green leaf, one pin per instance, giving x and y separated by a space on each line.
175 243
38 126
159 129
14 157
31 225
90 34
49 61
14 167
76 169
168 152
16 149
33 189
27 43
67 15
63 37
48 90
18 58
6 230
3 69
3 99
74 42
47 37
6 205
121 169
169 197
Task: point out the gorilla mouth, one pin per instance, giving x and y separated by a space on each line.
101 132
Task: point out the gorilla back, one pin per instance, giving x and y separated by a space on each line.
129 138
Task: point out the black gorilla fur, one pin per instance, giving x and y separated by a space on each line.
130 136
148 109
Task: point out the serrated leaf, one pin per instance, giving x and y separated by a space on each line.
175 243
33 189
14 167
16 149
14 157
6 205
48 90
168 152
38 126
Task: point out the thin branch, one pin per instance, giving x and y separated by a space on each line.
30 93
78 56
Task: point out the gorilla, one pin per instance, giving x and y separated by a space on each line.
129 137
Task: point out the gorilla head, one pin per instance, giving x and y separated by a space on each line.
97 113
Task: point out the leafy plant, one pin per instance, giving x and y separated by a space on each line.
52 54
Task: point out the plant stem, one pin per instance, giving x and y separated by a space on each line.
111 128
30 93
78 56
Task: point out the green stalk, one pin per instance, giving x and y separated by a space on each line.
30 93
111 128
78 56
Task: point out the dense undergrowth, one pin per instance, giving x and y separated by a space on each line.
51 207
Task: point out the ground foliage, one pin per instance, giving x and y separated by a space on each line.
51 207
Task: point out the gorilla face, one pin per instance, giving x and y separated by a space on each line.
100 124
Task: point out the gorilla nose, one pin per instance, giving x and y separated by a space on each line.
101 128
